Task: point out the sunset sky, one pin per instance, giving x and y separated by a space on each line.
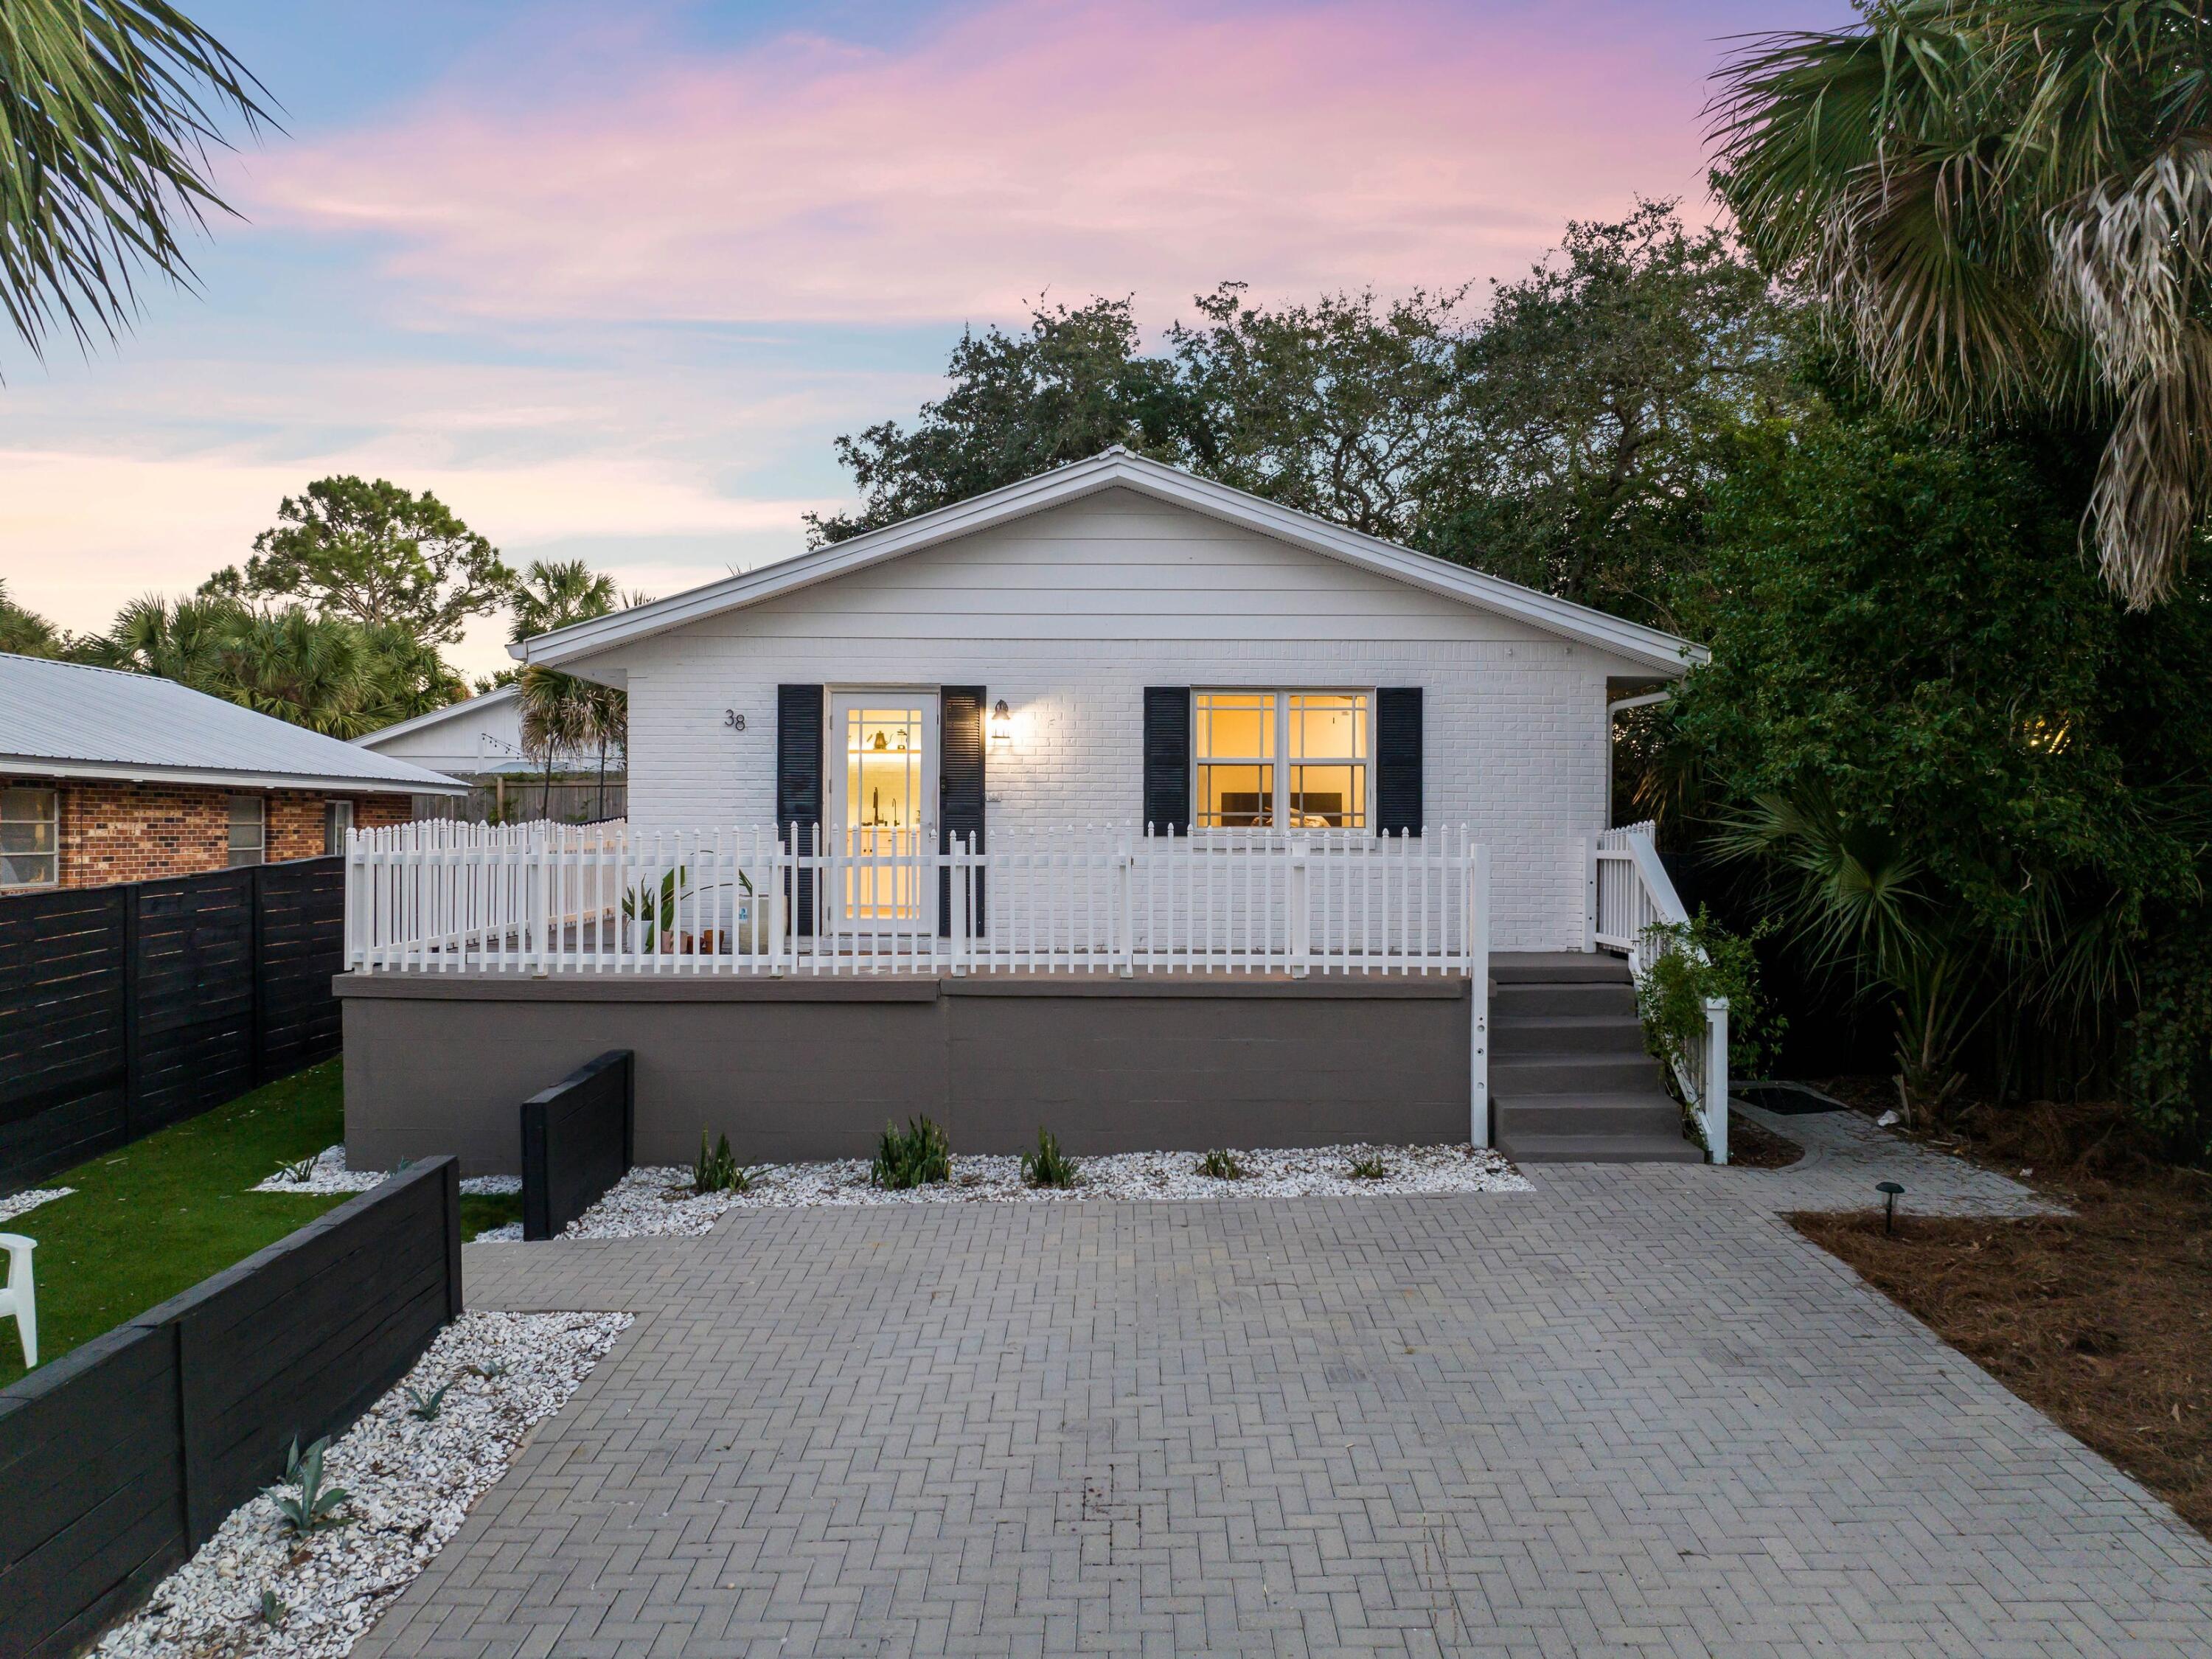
609 278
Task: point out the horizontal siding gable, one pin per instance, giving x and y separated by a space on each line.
1114 565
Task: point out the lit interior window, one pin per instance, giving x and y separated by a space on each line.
1296 760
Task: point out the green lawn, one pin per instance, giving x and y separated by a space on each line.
164 1212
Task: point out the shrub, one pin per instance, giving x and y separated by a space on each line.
308 1505
1221 1166
1689 962
1048 1166
426 1407
718 1171
1371 1167
915 1156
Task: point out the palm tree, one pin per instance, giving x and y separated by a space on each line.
182 640
313 670
566 712
108 110
25 632
2007 205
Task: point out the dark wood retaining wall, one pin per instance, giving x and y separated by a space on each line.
126 1008
577 1140
807 1068
122 1457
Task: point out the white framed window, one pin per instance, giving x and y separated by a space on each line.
337 818
30 837
1295 760
248 830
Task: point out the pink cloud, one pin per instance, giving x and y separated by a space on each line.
1146 147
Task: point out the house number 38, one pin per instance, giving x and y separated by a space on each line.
734 719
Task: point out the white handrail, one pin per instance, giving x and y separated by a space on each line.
1635 894
440 896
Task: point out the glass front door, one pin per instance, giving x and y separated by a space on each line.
883 780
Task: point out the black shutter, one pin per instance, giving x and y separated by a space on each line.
1167 759
959 789
798 788
1398 760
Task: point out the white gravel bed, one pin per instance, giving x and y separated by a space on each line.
653 1201
409 1483
328 1174
24 1203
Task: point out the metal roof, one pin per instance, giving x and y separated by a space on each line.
477 705
65 719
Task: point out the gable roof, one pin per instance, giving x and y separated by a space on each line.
480 704
65 719
1664 652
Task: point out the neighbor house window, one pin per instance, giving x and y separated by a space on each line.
337 818
249 830
1296 760
30 837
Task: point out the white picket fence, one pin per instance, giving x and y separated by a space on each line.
546 898
1635 894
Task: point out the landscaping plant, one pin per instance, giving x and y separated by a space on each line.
304 1504
1048 1166
1221 1166
916 1155
719 1170
426 1407
1371 1167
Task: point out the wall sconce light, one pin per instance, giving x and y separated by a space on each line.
1002 726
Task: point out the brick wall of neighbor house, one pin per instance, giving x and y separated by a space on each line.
112 832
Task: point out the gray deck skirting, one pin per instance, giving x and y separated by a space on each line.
810 1067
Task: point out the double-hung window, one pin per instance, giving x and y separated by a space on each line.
337 819
1294 760
30 837
248 837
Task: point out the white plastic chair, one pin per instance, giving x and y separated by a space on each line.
20 1297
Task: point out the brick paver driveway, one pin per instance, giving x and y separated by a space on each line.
1629 1413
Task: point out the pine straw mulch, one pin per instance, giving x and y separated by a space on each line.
1754 1146
2102 1319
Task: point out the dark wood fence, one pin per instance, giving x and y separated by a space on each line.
578 1138
122 1457
126 1008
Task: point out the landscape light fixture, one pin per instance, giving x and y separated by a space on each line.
1890 1192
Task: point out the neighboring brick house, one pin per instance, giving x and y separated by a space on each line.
108 777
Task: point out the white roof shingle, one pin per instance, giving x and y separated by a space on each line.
65 719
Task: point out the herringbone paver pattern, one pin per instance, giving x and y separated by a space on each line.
1629 1414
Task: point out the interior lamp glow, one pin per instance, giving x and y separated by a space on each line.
1002 726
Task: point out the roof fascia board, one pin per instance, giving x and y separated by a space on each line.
30 766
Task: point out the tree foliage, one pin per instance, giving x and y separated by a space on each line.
382 555
1564 436
2007 203
107 111
327 673
1952 750
26 633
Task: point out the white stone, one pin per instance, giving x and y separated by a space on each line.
409 1484
24 1203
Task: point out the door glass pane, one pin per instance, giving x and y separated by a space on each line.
883 771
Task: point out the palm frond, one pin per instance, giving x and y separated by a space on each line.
108 112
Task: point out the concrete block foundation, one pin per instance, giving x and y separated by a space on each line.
806 1068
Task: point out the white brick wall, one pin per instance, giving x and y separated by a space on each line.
1069 614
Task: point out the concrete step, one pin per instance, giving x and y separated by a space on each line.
1600 1149
1628 1113
1556 968
1535 1000
1564 1037
1576 1074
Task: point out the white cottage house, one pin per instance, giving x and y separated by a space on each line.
1164 650
1187 810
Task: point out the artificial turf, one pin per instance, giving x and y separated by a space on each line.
162 1213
